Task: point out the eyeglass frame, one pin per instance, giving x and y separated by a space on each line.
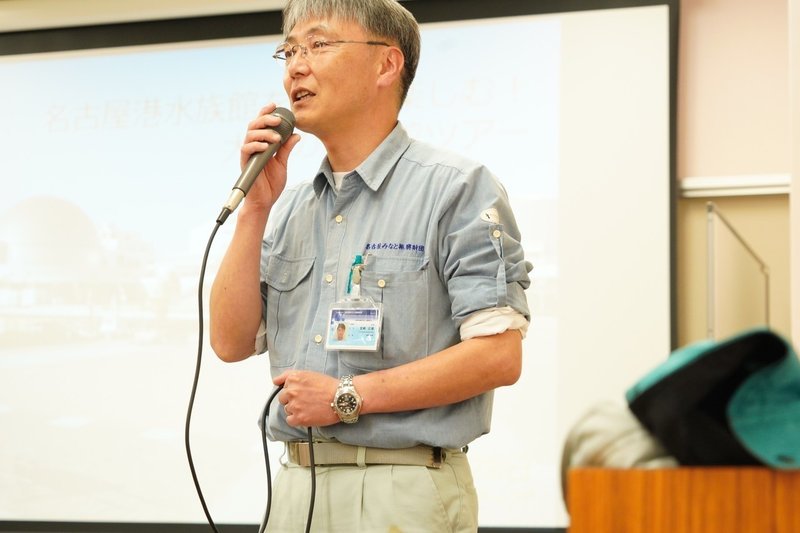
293 48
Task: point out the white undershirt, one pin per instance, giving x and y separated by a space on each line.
338 177
493 321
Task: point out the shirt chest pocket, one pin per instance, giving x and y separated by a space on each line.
288 303
401 286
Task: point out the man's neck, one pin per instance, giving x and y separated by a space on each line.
347 149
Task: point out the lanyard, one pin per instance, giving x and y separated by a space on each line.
354 323
354 280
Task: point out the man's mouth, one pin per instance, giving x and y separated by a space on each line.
302 95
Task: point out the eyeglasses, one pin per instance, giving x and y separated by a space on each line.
316 45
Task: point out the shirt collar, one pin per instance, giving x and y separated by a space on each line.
376 167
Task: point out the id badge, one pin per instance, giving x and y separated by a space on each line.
354 325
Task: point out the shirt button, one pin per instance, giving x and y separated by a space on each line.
318 338
339 219
381 283
497 234
328 278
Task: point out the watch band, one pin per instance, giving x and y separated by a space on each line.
346 381
346 402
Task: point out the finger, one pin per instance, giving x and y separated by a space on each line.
248 150
251 148
283 399
270 120
291 142
281 379
282 154
265 136
268 109
265 119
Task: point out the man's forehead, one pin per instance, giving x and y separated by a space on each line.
304 28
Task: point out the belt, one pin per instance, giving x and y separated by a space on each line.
336 453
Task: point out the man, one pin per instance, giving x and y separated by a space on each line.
418 243
341 329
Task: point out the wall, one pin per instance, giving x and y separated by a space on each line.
763 222
32 14
733 121
794 43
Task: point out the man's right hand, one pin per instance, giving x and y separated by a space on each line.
235 296
271 181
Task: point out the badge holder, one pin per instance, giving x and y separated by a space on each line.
354 323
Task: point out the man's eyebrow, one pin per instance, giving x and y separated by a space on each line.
322 28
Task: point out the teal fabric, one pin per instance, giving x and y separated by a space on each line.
762 412
676 361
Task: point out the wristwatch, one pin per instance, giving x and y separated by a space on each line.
346 402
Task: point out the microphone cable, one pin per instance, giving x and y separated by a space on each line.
263 424
197 377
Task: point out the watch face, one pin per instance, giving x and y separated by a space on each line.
346 403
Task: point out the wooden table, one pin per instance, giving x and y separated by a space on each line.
684 500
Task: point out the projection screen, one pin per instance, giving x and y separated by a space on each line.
116 161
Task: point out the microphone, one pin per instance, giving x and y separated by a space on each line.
256 164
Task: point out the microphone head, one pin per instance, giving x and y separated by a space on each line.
286 127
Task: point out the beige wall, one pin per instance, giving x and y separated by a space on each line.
32 14
794 85
733 88
733 119
763 222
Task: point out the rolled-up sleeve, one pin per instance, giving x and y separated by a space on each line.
481 256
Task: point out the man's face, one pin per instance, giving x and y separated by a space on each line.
331 88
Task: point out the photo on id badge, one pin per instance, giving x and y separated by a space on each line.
354 328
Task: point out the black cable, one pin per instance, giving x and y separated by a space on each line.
220 221
313 481
196 378
263 426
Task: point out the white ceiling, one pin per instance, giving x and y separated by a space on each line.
36 14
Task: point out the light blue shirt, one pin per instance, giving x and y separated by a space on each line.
439 243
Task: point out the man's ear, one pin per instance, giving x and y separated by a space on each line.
391 67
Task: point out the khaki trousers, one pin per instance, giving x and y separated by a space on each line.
377 499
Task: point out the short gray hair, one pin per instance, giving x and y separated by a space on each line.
380 18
